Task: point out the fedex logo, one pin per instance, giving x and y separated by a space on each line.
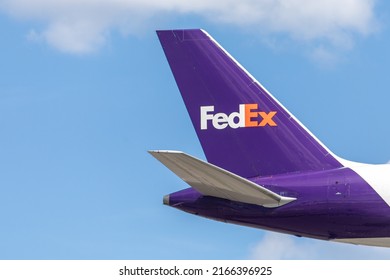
247 116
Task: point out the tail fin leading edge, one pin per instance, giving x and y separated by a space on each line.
242 128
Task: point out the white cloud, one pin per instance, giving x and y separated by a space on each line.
324 56
276 246
286 247
82 26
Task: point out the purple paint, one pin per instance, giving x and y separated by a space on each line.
332 201
207 76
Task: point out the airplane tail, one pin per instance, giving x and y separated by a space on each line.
241 126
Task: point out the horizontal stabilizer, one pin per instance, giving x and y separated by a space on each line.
211 180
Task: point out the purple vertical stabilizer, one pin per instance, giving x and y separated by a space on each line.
241 127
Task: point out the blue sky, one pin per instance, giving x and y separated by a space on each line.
85 91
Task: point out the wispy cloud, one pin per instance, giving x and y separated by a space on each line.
287 247
83 26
